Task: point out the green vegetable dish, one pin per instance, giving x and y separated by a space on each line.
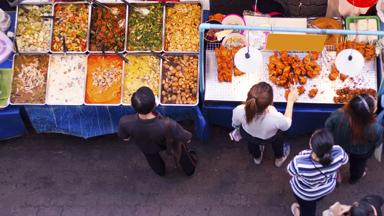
5 86
145 24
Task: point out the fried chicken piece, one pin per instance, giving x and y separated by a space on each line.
313 92
300 90
334 73
343 77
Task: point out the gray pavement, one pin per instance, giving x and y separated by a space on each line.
49 175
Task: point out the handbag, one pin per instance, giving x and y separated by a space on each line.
235 135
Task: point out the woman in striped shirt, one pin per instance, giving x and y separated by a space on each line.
314 172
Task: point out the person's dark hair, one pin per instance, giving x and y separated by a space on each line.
260 96
361 209
321 143
361 113
143 100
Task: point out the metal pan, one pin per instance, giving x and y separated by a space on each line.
90 26
86 78
48 83
197 80
50 33
165 21
87 36
162 30
46 79
123 80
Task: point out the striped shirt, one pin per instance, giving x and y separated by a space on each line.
311 180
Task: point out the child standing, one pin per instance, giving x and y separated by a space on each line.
314 172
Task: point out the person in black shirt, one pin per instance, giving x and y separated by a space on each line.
368 206
153 133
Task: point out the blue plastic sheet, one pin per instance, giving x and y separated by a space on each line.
92 121
11 124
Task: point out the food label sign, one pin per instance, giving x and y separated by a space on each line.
283 42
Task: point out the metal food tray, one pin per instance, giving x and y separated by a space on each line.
198 80
123 79
339 19
10 86
51 28
88 30
90 25
46 80
85 87
84 82
165 33
162 31
238 89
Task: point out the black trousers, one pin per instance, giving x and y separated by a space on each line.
187 162
254 143
357 165
307 208
156 163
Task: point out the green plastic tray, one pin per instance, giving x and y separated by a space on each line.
351 19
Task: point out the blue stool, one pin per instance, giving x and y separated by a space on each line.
11 124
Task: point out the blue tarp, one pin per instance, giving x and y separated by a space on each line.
91 121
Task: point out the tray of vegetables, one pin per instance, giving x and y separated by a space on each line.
182 22
145 27
70 27
108 28
33 28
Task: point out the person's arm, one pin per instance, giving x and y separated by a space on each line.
236 122
292 97
291 168
123 129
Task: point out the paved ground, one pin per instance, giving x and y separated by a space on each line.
44 175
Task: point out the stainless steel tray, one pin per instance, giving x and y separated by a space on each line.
197 84
48 83
90 26
162 31
46 79
88 30
86 78
123 80
165 21
51 21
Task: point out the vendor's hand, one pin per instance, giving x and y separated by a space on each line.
293 95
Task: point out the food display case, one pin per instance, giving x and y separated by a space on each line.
108 28
145 27
141 70
70 27
33 27
29 79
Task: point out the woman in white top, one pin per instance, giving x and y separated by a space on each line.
260 123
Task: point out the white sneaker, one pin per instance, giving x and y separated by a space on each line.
279 161
258 161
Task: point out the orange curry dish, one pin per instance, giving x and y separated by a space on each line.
104 79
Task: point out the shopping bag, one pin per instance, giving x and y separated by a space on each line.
379 152
235 135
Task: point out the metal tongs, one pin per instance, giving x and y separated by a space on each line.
65 48
121 56
142 10
163 58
